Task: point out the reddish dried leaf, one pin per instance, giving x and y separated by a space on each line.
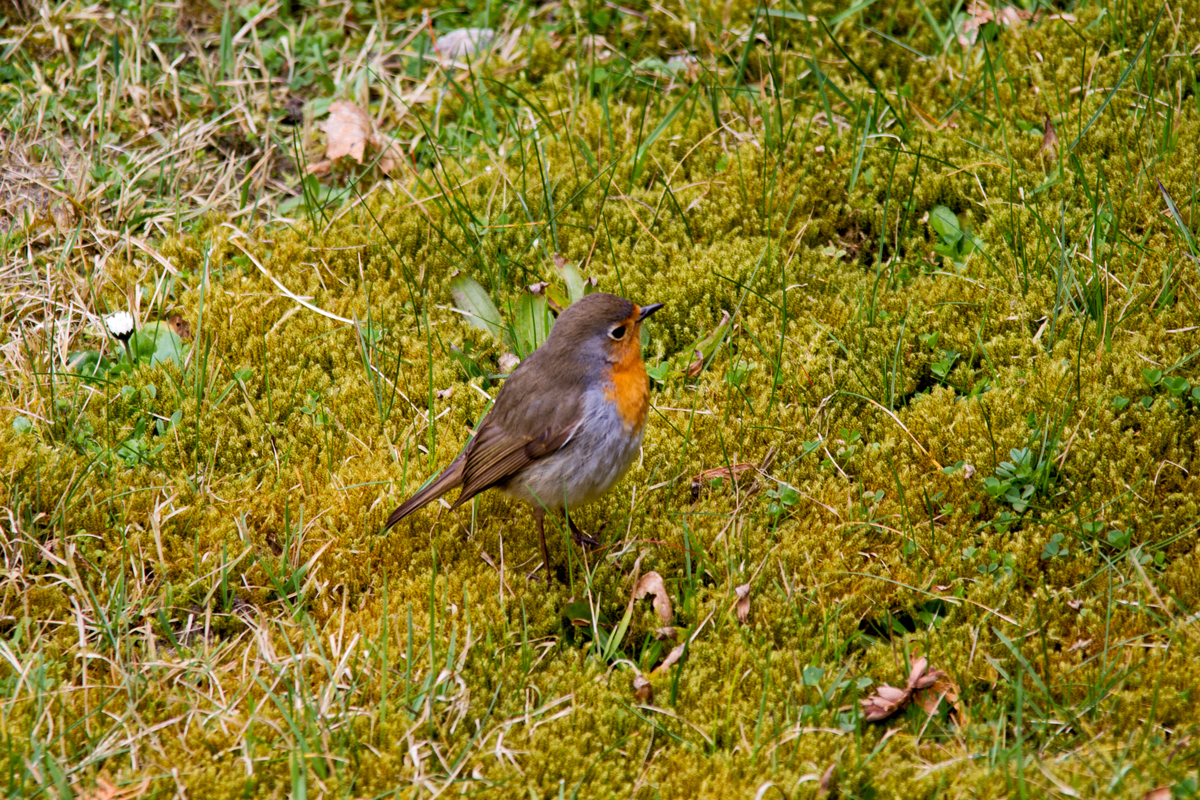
319 168
348 131
1049 137
180 326
828 781
919 677
1158 793
887 700
944 689
107 791
643 692
728 473
743 602
652 584
508 362
390 155
672 658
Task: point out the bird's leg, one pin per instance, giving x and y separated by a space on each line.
581 538
539 516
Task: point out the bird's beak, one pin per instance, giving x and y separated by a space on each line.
648 310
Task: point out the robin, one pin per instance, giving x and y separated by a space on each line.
568 422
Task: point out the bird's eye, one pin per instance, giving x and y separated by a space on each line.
617 332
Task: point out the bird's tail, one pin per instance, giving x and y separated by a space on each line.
451 478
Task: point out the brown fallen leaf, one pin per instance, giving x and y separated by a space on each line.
643 692
508 362
743 602
979 14
349 131
828 781
887 700
665 633
107 791
671 660
718 473
104 791
652 584
943 689
728 473
1158 793
697 365
462 42
180 326
1049 138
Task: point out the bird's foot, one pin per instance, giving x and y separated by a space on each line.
584 540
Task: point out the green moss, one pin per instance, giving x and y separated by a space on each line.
289 454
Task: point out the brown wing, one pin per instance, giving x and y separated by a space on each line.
536 412
494 456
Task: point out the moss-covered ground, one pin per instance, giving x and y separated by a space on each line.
957 396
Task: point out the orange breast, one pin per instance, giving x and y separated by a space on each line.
629 387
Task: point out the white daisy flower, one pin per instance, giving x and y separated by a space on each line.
119 324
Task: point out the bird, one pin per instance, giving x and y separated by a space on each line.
567 423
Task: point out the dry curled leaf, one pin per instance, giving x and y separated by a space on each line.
672 658
180 326
643 692
828 781
943 689
665 633
464 41
508 362
1158 793
728 473
887 700
1074 605
349 131
980 14
718 473
1049 138
652 584
743 602
107 791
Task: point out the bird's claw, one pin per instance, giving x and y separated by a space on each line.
583 540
